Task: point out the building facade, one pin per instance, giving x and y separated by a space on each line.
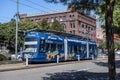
101 36
72 22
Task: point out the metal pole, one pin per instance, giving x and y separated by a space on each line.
87 45
26 59
57 59
16 30
65 47
78 57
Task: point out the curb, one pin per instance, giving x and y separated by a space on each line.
45 65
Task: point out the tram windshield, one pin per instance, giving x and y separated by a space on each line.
30 48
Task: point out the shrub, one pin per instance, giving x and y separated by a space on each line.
2 57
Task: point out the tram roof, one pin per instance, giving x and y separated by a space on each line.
55 33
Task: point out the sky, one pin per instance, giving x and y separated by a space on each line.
8 8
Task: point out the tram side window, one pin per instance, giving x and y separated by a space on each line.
75 48
47 46
90 48
60 47
42 42
30 39
79 48
69 48
53 47
72 49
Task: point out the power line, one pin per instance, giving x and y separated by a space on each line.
39 5
4 17
28 6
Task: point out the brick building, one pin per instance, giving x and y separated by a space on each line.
101 36
72 22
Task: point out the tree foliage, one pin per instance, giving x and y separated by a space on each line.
56 26
43 24
7 33
103 45
116 16
3 57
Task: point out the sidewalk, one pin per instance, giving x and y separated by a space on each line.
20 66
10 67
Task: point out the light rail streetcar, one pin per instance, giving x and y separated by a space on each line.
46 45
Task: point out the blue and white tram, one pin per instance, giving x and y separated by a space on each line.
45 46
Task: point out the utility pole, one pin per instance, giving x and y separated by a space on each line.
16 44
86 34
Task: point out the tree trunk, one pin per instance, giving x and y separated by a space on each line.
110 38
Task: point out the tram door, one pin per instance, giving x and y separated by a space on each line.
83 51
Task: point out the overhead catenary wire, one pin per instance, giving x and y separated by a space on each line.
40 5
29 6
3 19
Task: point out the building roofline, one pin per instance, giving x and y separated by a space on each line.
88 16
57 12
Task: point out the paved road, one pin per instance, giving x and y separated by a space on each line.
77 71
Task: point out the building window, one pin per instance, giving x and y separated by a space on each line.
82 25
73 25
70 31
48 20
56 18
73 31
86 26
64 18
52 19
70 25
36 20
72 17
32 20
91 29
61 18
63 25
79 22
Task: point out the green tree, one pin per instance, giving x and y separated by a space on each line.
3 57
43 24
25 25
56 26
2 37
107 7
7 32
103 45
116 17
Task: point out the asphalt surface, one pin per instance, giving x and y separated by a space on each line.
21 66
82 70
